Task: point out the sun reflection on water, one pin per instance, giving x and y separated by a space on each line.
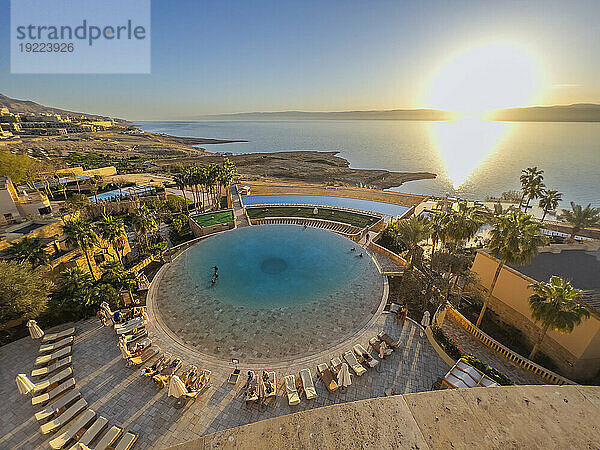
464 144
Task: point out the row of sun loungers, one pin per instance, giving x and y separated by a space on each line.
64 411
324 224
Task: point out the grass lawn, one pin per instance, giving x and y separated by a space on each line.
213 218
351 218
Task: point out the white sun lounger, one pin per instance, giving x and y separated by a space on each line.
308 384
109 438
65 417
376 344
292 392
49 359
57 336
131 327
63 387
455 382
56 345
127 441
60 364
359 351
92 432
58 406
78 425
353 362
52 382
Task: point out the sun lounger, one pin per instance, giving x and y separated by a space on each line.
109 438
129 326
90 434
252 389
49 359
336 365
57 407
127 441
162 378
53 381
353 362
292 392
268 388
139 333
202 383
145 356
65 417
152 370
78 425
388 340
51 337
234 376
364 356
57 345
133 321
327 377
63 387
376 344
307 383
60 364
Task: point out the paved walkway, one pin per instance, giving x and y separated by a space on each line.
120 394
471 345
238 209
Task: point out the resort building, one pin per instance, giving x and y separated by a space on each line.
16 206
577 354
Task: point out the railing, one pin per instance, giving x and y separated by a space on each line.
338 227
519 360
389 253
363 212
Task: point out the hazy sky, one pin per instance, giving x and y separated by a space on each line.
232 56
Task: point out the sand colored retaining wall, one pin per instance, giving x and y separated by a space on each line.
334 191
480 418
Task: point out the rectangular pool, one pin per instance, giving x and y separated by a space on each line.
387 209
125 192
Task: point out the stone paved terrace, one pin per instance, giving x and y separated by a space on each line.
471 345
120 394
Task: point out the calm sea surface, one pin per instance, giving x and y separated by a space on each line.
473 158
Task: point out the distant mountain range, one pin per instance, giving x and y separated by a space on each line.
581 112
29 107
578 112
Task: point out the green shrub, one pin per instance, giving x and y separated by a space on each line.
488 370
447 343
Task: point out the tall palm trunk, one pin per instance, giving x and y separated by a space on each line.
544 215
89 263
536 347
487 300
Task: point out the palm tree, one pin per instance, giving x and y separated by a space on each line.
438 226
112 231
464 223
556 305
531 181
181 180
80 234
30 250
514 239
549 201
411 232
144 222
581 218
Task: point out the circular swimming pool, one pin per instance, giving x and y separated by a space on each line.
281 291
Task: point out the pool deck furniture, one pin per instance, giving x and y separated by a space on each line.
148 353
131 326
51 337
138 334
364 356
65 417
234 376
336 365
164 375
57 345
327 377
49 359
83 421
290 389
384 337
44 371
92 432
57 407
205 384
126 441
63 387
273 382
53 381
354 364
109 438
308 384
375 344
161 362
252 389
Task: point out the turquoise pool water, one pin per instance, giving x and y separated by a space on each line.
388 209
302 285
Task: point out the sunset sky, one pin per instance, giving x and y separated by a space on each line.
234 56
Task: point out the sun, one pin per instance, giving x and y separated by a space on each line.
484 77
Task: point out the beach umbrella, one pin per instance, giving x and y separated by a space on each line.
425 321
344 376
382 349
24 384
34 330
176 387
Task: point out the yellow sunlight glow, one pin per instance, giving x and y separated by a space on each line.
484 77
